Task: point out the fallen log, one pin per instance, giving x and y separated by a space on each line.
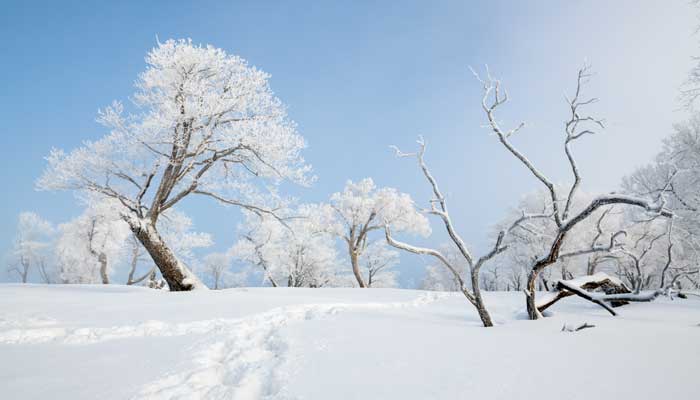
599 281
564 285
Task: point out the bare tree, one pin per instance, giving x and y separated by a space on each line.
577 126
438 207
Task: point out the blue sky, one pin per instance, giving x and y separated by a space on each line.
357 77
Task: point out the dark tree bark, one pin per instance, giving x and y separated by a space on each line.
102 258
175 274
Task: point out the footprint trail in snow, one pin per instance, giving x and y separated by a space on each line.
236 359
240 361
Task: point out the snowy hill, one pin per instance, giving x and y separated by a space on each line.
113 342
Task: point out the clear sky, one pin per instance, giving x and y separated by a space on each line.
358 76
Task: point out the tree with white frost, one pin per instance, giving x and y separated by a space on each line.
377 263
566 217
442 279
89 246
362 208
207 125
30 246
437 278
675 174
216 267
297 253
589 242
136 255
253 247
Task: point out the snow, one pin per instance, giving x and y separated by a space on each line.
116 342
597 277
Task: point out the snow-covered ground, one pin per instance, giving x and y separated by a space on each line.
114 342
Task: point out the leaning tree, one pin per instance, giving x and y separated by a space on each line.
565 216
207 124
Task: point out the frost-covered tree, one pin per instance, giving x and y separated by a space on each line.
647 248
437 278
588 243
675 174
362 208
298 252
207 124
136 255
216 268
178 231
29 248
253 247
443 279
89 246
377 263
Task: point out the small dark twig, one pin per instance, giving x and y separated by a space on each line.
585 325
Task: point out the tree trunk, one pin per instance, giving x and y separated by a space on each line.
103 268
530 289
134 262
175 273
356 268
479 301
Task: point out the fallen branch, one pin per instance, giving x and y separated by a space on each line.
586 295
609 285
585 325
615 292
638 297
